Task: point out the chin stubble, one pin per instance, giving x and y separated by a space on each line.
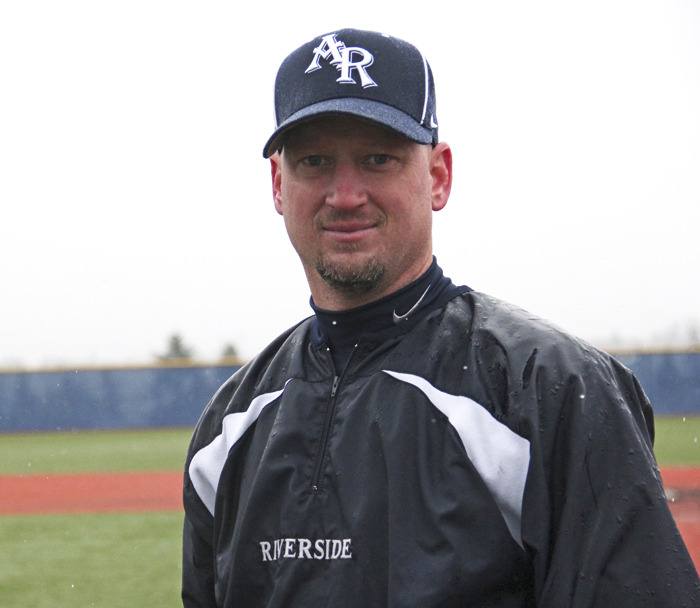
353 281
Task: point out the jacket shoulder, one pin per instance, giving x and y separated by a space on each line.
514 325
497 325
267 372
514 361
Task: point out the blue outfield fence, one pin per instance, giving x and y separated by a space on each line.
107 398
670 380
175 396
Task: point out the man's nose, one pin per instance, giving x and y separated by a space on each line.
347 188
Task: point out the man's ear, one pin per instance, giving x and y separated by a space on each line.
276 172
441 172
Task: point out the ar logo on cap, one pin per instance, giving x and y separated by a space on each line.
345 59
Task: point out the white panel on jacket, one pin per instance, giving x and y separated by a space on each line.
206 465
501 456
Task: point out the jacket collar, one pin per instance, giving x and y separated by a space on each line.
392 314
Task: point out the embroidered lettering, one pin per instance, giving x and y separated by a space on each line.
300 548
318 553
345 59
304 546
265 548
289 547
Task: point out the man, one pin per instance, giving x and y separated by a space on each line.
413 443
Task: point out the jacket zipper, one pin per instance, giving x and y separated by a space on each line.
318 469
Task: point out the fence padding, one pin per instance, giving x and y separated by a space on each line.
670 380
107 399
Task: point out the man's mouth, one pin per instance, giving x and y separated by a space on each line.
349 226
349 230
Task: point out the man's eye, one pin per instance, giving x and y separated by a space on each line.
314 160
377 159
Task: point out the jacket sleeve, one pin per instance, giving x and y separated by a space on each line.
595 517
197 552
199 580
198 564
198 540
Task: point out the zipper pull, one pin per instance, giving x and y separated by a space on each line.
336 381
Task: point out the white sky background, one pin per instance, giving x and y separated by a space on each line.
134 200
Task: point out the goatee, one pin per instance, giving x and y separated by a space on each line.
351 280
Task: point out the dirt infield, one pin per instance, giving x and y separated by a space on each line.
683 490
162 491
90 493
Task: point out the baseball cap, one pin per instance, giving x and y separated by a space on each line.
359 73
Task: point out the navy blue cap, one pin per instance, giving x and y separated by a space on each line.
358 73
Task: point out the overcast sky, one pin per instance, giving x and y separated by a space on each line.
135 201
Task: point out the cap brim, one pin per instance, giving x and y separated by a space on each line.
367 109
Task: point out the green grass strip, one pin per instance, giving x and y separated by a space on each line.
94 451
677 441
106 561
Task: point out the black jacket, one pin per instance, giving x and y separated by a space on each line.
476 456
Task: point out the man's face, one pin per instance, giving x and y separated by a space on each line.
357 201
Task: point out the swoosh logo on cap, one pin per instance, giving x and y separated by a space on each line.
403 317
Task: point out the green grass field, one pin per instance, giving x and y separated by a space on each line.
678 441
101 560
106 561
117 560
79 452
